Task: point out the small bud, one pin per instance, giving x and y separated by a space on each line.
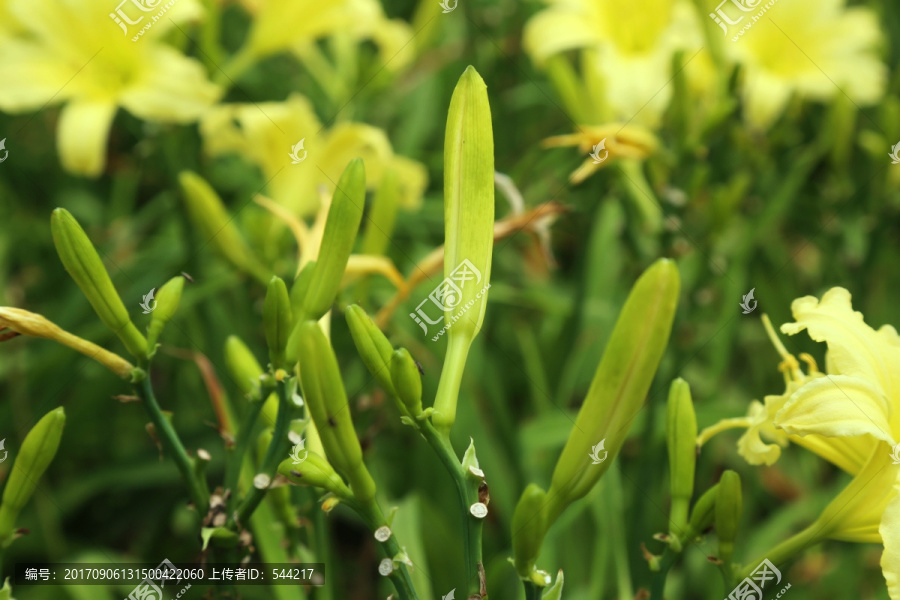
341 227
34 457
407 381
83 264
528 529
372 345
167 300
728 513
329 503
326 399
277 320
478 510
35 325
383 533
315 471
216 226
704 512
681 440
243 366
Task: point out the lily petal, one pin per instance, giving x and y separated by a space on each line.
837 406
890 534
82 132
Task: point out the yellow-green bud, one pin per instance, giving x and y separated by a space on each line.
37 452
468 231
341 227
407 381
167 301
681 439
619 387
704 512
728 513
317 472
243 366
528 529
326 399
372 345
277 320
82 262
300 287
215 225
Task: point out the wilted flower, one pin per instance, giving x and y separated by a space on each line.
57 53
264 133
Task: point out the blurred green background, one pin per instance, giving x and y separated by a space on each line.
806 203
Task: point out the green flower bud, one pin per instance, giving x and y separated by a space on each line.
407 381
681 439
216 227
619 387
243 366
34 457
728 513
326 399
703 513
83 264
277 320
528 529
301 286
341 227
167 301
380 224
469 230
317 472
372 345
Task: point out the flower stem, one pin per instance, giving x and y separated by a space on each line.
400 577
236 458
278 448
172 443
786 550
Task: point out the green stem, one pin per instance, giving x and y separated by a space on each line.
468 495
532 591
278 449
447 395
658 584
400 577
786 549
236 458
172 443
235 67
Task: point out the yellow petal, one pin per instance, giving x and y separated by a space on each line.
82 132
890 535
556 30
32 76
837 406
847 453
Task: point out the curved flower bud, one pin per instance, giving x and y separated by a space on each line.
37 452
324 393
277 320
681 441
469 231
83 264
372 345
619 386
216 227
35 325
407 381
528 529
728 513
703 513
167 300
243 366
317 472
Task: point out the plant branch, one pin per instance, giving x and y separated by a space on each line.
372 515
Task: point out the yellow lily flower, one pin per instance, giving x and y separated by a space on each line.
265 133
628 48
815 49
61 53
849 415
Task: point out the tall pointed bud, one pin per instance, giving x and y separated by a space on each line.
372 345
407 381
728 513
167 301
37 452
82 262
528 530
341 228
469 231
681 441
619 387
277 320
216 227
326 398
242 366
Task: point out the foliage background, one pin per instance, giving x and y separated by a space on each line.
790 211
